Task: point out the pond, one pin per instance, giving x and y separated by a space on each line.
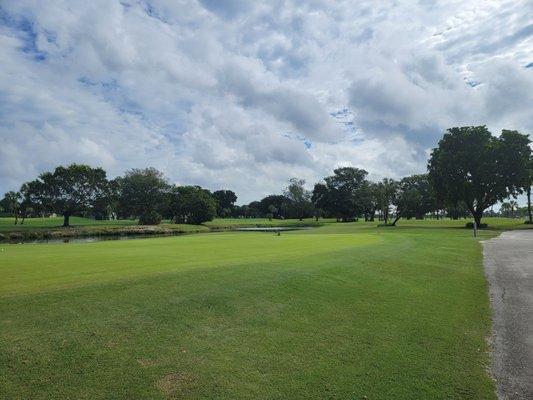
101 238
89 239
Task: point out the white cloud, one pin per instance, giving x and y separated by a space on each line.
238 94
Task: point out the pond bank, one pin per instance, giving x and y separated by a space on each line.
92 233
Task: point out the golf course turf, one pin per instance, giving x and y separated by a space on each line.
342 311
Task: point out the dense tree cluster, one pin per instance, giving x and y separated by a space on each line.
143 194
468 172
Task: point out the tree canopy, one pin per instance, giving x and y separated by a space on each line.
473 166
72 189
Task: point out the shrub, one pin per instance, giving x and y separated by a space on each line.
528 222
150 218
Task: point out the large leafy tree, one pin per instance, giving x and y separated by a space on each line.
192 205
299 198
31 199
263 207
473 166
143 194
226 202
322 199
370 198
71 190
344 193
415 197
386 192
10 204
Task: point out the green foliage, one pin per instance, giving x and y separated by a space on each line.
275 204
472 166
192 205
70 190
142 191
225 202
299 204
343 194
386 192
150 217
415 197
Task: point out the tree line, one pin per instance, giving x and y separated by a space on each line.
143 194
468 172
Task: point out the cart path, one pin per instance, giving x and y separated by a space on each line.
508 263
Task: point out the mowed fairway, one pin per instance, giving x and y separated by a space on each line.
338 312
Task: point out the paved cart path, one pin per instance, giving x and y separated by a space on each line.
509 268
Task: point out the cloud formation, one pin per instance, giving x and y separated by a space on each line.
244 95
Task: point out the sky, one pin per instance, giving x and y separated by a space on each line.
244 95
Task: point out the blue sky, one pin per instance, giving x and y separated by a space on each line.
244 95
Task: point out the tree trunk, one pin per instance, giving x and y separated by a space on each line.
395 220
529 204
477 217
66 219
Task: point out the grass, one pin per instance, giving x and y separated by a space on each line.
7 223
343 311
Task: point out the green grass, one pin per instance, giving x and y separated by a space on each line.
339 312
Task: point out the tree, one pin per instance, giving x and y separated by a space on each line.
31 194
142 194
473 166
344 192
106 207
192 205
272 210
263 206
322 199
299 197
370 200
10 204
386 194
226 202
71 190
414 198
458 210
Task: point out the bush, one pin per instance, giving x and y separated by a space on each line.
470 225
528 222
150 218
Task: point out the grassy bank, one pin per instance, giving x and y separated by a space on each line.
343 311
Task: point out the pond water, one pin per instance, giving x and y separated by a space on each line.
89 239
